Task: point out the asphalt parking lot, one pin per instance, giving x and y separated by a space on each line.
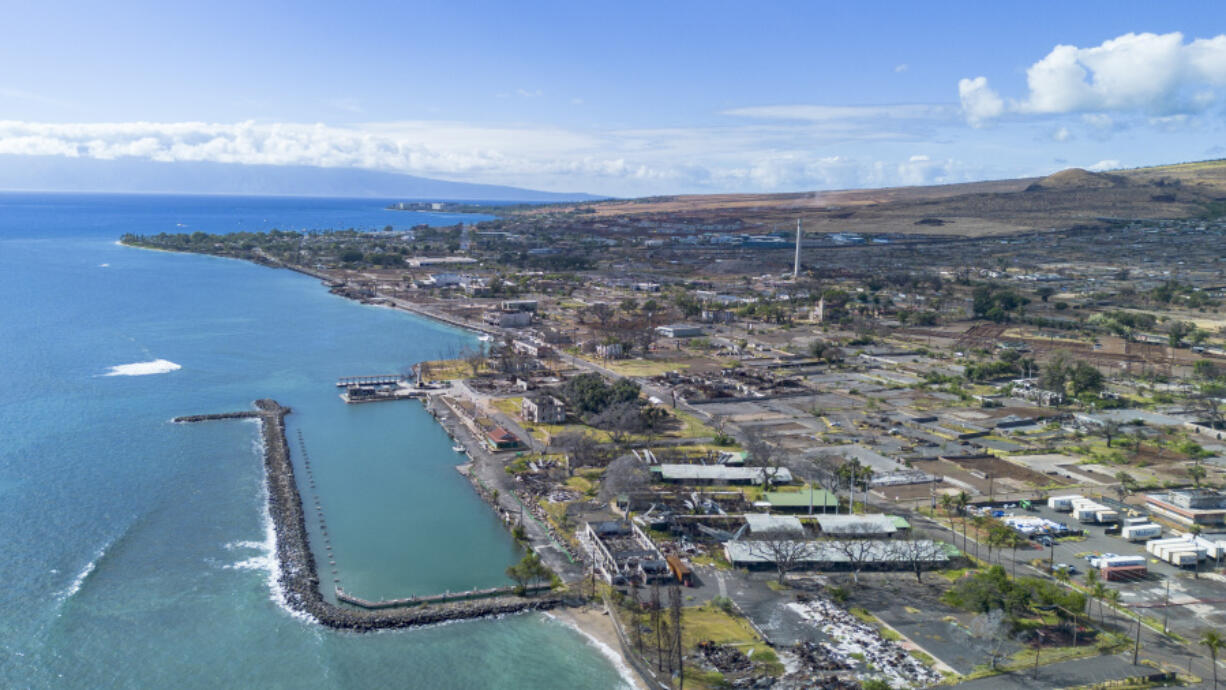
1197 601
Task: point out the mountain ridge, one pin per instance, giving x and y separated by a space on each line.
135 176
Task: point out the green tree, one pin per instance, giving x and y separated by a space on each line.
1084 378
528 571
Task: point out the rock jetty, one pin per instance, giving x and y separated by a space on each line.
298 577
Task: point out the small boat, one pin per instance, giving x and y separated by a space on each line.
486 338
458 448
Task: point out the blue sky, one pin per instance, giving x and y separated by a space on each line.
628 98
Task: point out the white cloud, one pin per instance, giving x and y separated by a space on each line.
902 68
979 102
1153 74
775 156
1061 135
827 113
1105 165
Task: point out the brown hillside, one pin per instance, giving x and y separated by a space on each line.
1077 178
1061 200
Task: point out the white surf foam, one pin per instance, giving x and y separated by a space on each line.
629 678
79 580
267 560
157 366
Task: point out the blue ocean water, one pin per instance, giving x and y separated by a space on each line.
137 553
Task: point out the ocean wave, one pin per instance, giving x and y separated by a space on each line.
267 560
627 674
79 580
157 366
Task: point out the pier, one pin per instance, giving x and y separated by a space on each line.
296 569
374 380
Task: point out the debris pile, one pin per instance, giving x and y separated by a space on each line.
724 658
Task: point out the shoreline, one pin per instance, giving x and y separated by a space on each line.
588 621
592 622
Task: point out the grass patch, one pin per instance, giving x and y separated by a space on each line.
449 370
509 406
709 622
640 367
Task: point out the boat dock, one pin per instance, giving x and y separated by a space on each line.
364 389
369 381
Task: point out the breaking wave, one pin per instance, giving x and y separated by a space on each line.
627 674
157 366
79 580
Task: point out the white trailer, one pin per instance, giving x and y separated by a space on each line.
1141 532
1178 551
1117 561
1086 510
1214 548
1062 503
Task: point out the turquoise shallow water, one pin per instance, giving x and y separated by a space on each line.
135 551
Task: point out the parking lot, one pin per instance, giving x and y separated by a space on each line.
1196 601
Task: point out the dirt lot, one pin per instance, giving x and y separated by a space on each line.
1002 469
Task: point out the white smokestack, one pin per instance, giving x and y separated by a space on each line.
796 264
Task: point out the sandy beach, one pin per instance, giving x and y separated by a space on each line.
592 622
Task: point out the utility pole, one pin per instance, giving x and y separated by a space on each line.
1136 650
1166 607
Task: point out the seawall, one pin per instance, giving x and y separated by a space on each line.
297 573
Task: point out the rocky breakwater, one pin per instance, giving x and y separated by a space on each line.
297 574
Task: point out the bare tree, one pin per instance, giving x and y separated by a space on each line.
657 622
674 616
763 453
601 315
856 547
820 469
918 551
625 474
1205 401
581 449
620 420
474 358
786 550
993 628
636 617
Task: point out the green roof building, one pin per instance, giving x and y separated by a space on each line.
799 501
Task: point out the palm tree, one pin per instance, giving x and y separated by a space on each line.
963 501
1099 592
1113 597
1213 641
948 504
979 521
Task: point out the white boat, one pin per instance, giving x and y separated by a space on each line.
486 338
458 448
